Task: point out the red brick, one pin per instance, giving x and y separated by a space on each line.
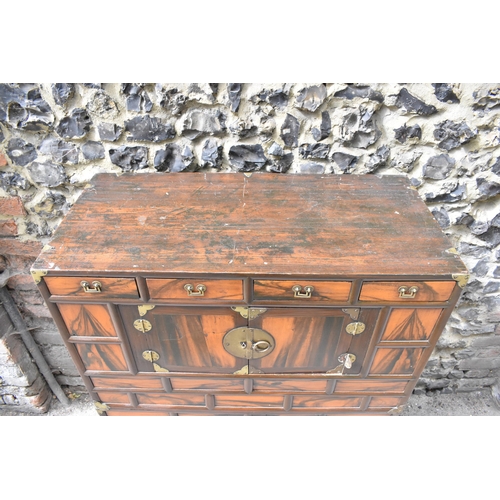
12 206
8 228
22 282
17 247
3 160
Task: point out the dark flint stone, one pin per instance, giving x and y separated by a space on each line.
496 272
283 164
93 150
47 174
145 128
441 215
214 87
404 132
21 152
464 220
2 137
59 151
495 221
290 131
211 154
311 98
171 159
438 167
234 95
411 104
275 149
363 91
129 158
314 150
171 100
344 161
197 122
278 99
137 98
415 182
492 287
311 168
360 130
487 189
492 236
13 180
324 129
495 168
62 92
472 250
93 85
33 114
378 159
452 135
444 93
75 125
109 131
238 128
456 195
101 104
10 94
481 268
247 157
479 227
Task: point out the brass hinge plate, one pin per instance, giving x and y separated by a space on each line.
144 309
355 328
352 312
37 274
461 279
249 312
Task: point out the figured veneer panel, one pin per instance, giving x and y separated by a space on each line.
277 385
90 320
171 399
395 361
114 397
324 291
388 291
250 401
411 324
302 401
215 289
125 288
102 357
206 384
370 386
132 383
384 402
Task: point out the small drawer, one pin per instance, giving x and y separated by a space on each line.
92 287
301 290
406 291
195 289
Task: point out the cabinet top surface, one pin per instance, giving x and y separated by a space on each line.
258 224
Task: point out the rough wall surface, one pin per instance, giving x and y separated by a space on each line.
444 137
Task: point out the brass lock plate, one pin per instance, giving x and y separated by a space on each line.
248 343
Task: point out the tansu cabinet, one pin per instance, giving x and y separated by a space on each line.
249 294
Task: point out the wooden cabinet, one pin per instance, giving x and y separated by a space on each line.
262 294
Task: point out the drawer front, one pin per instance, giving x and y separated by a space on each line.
406 291
194 289
322 291
125 288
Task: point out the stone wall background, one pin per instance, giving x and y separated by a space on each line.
444 137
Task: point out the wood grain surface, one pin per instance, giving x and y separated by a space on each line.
261 224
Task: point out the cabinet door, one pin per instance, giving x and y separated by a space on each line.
314 340
182 339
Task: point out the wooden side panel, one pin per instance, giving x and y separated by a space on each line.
110 287
91 320
411 324
251 401
388 291
215 289
187 339
171 399
325 402
324 291
371 386
102 357
132 383
395 361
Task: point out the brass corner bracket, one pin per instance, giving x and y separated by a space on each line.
37 274
461 279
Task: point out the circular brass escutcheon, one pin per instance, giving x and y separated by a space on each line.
151 356
355 328
143 325
248 343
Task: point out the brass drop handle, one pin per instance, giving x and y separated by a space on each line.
347 359
306 294
87 289
406 293
261 346
201 290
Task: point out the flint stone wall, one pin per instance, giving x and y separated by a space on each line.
444 137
